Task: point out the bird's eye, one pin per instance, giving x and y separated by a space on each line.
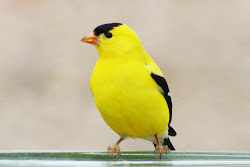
108 35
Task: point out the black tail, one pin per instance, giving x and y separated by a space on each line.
169 144
171 132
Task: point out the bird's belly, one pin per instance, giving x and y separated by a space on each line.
131 107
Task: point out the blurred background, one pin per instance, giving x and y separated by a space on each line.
202 48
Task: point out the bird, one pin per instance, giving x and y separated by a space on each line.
129 89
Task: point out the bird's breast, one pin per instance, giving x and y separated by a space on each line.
127 98
119 78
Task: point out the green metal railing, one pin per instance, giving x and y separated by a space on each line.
90 158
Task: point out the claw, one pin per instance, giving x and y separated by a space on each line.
159 148
115 148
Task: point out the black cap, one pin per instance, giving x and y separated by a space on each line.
104 28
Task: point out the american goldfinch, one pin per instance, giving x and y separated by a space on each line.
129 89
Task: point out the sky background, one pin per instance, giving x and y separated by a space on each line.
202 48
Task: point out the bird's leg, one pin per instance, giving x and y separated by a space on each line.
115 148
159 148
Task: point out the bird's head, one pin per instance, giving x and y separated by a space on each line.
113 39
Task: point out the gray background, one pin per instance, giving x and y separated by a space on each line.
202 47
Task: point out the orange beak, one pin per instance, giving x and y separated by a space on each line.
91 38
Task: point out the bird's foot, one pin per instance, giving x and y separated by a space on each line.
159 149
114 149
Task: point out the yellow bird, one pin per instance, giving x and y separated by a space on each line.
129 89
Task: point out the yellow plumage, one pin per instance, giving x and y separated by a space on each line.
128 98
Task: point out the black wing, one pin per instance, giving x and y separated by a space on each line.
163 84
166 93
